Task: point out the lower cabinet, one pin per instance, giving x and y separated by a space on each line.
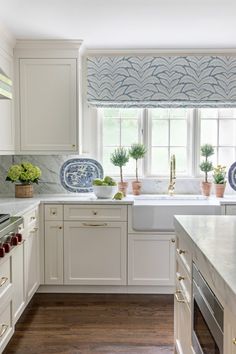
18 281
229 332
182 325
6 321
54 252
151 259
31 262
95 253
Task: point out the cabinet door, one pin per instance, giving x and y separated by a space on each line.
53 252
18 281
95 253
182 324
229 332
6 109
48 104
31 263
151 259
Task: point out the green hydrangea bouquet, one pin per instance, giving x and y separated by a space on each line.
25 173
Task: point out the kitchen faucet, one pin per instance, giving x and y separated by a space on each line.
171 188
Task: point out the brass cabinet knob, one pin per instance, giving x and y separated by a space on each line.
173 240
180 277
60 227
181 251
73 145
234 341
95 212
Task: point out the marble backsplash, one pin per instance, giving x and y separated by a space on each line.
50 181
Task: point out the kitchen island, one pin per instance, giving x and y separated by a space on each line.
208 242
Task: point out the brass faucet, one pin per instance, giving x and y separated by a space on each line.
171 188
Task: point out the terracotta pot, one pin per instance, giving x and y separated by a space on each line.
206 188
136 187
24 191
122 187
220 190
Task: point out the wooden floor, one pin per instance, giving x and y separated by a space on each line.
102 324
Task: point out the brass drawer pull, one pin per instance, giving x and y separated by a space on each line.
234 341
177 296
3 330
94 225
3 280
180 251
179 276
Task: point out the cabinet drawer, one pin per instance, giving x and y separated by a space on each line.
230 210
5 275
53 212
98 212
31 218
184 253
183 281
6 329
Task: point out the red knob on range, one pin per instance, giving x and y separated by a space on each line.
14 240
19 237
2 251
7 247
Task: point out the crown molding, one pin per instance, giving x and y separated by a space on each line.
161 51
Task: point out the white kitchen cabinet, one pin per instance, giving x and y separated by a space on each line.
53 252
7 134
31 257
6 323
47 96
229 332
18 281
182 324
151 259
95 253
48 104
31 263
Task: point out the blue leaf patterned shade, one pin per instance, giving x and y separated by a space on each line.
163 81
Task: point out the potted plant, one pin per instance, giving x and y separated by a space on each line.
104 188
25 174
206 166
219 173
119 158
137 151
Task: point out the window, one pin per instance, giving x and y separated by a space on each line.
169 134
165 132
120 127
218 127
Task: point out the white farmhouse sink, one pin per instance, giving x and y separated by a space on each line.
168 197
156 213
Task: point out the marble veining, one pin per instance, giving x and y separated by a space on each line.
50 181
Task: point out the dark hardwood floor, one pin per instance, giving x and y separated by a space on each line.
102 324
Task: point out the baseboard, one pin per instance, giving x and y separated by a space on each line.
106 289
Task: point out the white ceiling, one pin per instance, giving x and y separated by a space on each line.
125 23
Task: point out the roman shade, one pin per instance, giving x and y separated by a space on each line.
161 81
5 86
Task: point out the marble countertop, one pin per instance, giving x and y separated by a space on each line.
18 206
215 237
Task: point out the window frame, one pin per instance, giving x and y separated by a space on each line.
193 144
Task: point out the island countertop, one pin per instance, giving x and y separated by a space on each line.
214 237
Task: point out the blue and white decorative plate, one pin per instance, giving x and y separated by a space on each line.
232 176
77 175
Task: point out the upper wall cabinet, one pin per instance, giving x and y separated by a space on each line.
47 102
7 143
